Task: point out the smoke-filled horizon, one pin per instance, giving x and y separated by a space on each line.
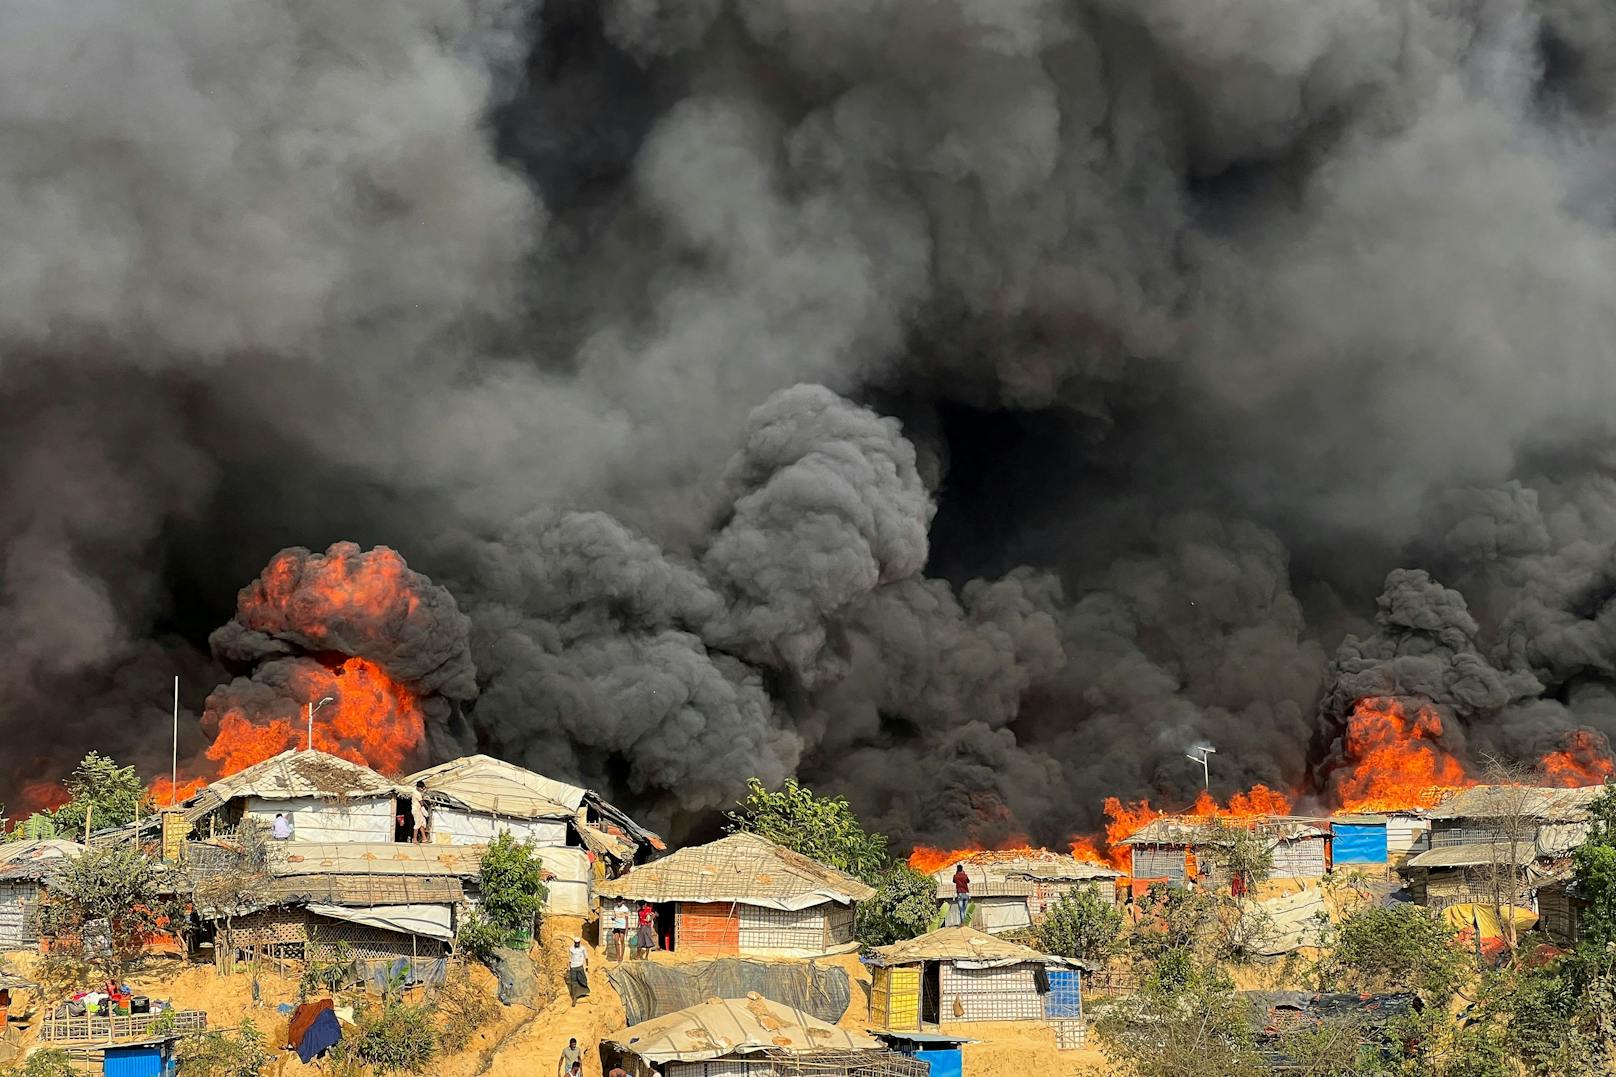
966 406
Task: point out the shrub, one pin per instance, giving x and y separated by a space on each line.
1186 1023
511 884
1401 946
395 1038
462 1009
479 937
1081 925
242 1053
51 1062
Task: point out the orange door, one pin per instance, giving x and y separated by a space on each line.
707 928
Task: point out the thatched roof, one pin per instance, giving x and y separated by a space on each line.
719 1028
289 776
1020 876
1509 801
965 944
742 868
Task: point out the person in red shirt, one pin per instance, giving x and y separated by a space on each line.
647 940
962 891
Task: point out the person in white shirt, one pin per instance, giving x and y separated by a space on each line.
620 929
577 981
282 828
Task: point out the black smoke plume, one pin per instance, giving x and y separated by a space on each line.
966 406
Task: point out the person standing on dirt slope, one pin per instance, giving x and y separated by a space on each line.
577 981
619 930
962 891
570 1057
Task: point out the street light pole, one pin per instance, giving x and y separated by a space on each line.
1205 760
312 708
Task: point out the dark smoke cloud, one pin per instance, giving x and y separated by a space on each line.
1201 320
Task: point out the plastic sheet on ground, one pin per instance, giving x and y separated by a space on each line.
1282 924
1482 920
652 990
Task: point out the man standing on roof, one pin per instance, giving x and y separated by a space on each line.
281 829
962 891
418 811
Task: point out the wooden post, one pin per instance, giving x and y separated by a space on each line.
89 810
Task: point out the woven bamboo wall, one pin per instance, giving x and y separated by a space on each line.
270 926
781 929
895 998
838 925
1070 1035
1159 861
1001 994
1302 858
17 902
1557 915
707 928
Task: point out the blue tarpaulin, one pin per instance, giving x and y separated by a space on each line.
324 1034
1065 998
943 1063
1360 843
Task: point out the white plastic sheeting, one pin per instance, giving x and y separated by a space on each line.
368 819
570 890
431 921
459 827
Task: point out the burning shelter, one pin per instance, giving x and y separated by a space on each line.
1010 891
745 894
961 974
25 869
1509 838
1176 849
752 1037
472 800
327 798
1382 838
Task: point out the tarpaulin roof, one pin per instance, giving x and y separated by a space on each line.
1506 801
35 859
652 989
290 775
482 783
1469 856
995 875
967 947
432 921
743 868
1196 831
373 858
722 1027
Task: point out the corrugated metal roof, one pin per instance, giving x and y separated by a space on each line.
482 783
963 944
740 1026
1466 856
1505 801
373 858
742 867
290 775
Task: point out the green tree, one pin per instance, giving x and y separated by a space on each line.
820 828
1081 925
1403 946
1238 850
108 794
1594 865
50 1062
104 906
905 905
511 884
1186 1021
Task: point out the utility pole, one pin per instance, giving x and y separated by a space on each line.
312 708
174 767
1205 760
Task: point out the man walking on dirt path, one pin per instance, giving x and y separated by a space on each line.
570 1057
962 891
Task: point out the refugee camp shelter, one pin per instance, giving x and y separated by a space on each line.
752 1037
961 974
745 894
327 798
25 869
1370 840
1479 836
1013 892
944 1054
471 801
1177 848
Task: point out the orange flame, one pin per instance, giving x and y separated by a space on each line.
39 795
374 720
1126 819
1396 759
305 594
1585 760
